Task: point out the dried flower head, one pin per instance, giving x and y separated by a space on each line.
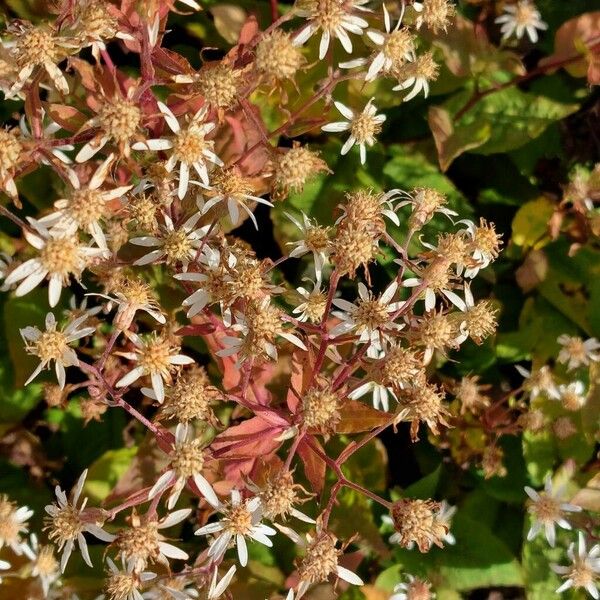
418 522
277 57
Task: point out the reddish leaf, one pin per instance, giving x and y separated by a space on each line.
314 466
357 417
67 117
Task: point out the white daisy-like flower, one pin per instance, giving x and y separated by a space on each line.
335 18
261 339
315 239
380 394
163 591
386 206
520 18
212 278
187 462
218 587
432 289
363 127
540 382
576 352
584 570
125 583
44 565
572 395
240 519
312 307
155 357
369 317
425 203
547 510
66 523
85 206
176 244
233 190
60 258
53 345
396 46
13 523
189 146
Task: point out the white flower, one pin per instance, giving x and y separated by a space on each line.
85 207
334 18
213 275
390 43
13 523
156 357
45 566
576 352
217 588
584 568
363 127
539 382
380 394
315 239
313 306
67 524
370 317
187 462
234 193
177 245
53 345
189 144
60 257
240 520
126 583
520 18
547 511
430 293
572 395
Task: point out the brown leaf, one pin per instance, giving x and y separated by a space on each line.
357 417
229 21
574 37
533 271
314 466
589 497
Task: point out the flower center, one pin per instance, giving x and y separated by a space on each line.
61 256
122 586
398 46
239 520
320 561
36 46
190 146
546 509
320 408
177 246
371 314
188 459
120 119
155 355
65 526
364 127
139 542
86 206
45 564
10 150
50 346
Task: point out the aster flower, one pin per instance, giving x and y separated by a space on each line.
155 356
53 345
85 206
49 130
335 18
434 14
370 317
260 326
66 523
363 127
233 190
189 144
240 520
13 523
539 382
125 583
395 47
575 352
45 566
60 258
436 279
187 462
484 244
425 203
312 306
177 245
213 280
548 510
143 543
416 74
315 239
572 395
584 570
520 18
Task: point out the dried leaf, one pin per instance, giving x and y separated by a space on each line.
357 417
229 20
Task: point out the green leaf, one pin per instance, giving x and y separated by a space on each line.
499 122
530 224
426 487
105 472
